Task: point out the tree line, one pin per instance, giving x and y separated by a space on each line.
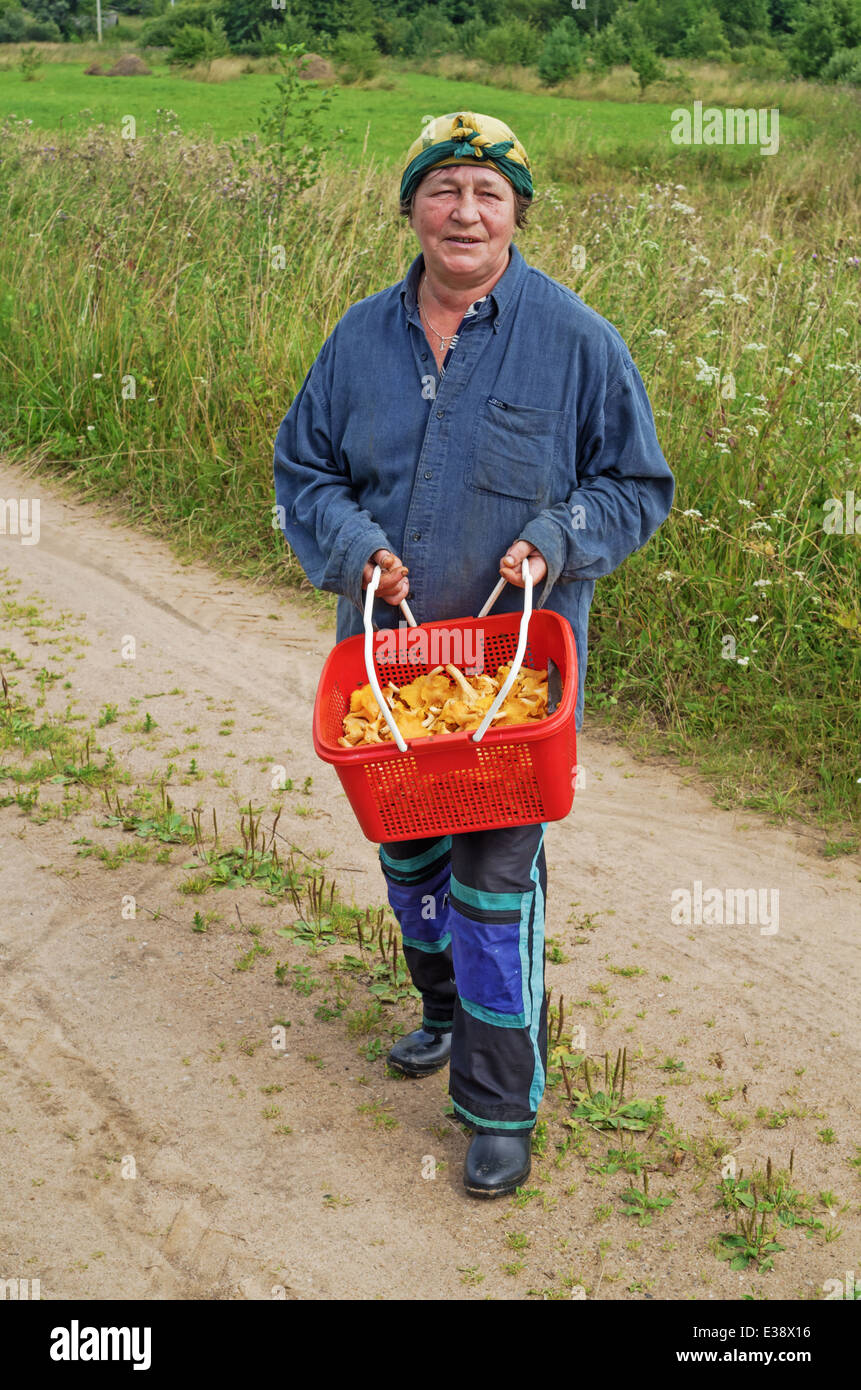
816 39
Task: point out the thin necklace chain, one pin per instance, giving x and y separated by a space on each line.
442 340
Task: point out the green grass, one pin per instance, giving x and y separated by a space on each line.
65 98
150 262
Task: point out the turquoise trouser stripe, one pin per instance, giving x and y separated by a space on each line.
490 902
418 861
497 1124
534 974
491 1016
428 946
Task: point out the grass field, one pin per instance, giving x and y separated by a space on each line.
733 640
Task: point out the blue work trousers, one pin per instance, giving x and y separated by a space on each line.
471 911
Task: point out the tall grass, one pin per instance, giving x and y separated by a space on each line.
733 638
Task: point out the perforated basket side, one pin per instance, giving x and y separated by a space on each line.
414 800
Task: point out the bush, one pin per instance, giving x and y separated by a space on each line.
17 26
356 57
647 65
193 44
295 125
159 32
427 33
815 41
562 53
844 66
29 63
615 45
469 37
706 39
514 42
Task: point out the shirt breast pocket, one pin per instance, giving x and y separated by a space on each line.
515 450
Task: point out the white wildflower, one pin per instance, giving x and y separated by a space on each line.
761 583
759 526
706 373
667 576
742 660
739 298
744 502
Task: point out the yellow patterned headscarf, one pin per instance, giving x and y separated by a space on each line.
466 137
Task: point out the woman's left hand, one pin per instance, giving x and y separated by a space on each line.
511 563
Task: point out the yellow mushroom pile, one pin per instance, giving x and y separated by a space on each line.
444 701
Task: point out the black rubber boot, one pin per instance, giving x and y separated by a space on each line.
496 1164
421 1053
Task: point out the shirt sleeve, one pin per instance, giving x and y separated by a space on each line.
320 516
625 489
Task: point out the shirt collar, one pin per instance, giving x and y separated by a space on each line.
502 294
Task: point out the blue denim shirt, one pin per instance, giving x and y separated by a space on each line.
540 429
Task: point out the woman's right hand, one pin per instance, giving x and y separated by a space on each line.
394 585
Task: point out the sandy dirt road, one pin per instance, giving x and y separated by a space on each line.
138 1039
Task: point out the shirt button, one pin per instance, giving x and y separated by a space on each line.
417 535
424 357
428 473
440 414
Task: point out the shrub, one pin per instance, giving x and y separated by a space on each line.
159 32
192 44
514 42
844 66
18 26
562 52
615 45
356 56
647 65
29 63
706 39
426 34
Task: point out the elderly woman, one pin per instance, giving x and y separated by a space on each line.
472 415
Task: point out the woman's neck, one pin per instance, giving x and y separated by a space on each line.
453 300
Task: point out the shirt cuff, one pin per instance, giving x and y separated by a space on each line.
544 533
358 555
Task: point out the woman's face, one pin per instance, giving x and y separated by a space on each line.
464 220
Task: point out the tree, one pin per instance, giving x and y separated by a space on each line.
816 38
562 53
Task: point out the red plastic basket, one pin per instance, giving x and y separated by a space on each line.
449 784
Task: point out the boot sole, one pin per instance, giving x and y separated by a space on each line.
505 1190
415 1072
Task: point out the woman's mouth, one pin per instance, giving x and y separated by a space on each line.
464 240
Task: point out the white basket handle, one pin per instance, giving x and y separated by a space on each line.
508 682
521 647
369 661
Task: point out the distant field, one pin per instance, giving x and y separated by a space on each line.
64 97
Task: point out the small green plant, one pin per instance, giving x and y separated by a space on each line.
642 1204
29 63
608 1109
295 125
